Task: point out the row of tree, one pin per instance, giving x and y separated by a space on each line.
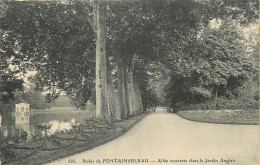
127 56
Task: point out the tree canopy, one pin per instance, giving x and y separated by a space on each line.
177 51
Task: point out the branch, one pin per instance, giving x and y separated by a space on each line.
91 22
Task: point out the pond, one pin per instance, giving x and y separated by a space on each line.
13 125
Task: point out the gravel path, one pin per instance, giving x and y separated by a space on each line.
174 140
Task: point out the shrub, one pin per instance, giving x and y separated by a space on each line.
220 103
201 92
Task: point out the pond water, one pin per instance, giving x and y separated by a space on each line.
14 124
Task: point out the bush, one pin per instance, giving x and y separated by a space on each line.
201 92
220 103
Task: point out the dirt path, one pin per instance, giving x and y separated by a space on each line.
162 135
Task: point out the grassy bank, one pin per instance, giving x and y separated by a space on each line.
40 150
247 117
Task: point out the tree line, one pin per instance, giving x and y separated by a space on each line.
128 56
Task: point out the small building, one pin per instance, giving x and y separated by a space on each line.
22 108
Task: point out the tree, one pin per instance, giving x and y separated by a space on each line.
206 60
173 43
62 51
9 58
105 98
131 46
28 94
62 54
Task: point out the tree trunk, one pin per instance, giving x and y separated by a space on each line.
99 24
139 98
112 107
134 95
127 112
121 86
130 91
216 94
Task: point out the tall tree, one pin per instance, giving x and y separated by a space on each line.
105 104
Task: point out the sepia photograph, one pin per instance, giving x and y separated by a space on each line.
129 82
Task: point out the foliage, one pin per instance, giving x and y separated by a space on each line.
59 43
35 98
207 59
62 101
3 8
124 43
201 92
93 133
241 11
45 128
185 50
249 90
220 104
9 58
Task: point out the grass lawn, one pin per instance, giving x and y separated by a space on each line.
83 137
246 117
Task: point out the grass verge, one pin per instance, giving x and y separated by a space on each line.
239 117
62 144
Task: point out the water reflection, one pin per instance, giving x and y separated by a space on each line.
8 126
13 125
59 126
22 123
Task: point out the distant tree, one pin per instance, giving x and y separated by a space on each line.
34 98
62 101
